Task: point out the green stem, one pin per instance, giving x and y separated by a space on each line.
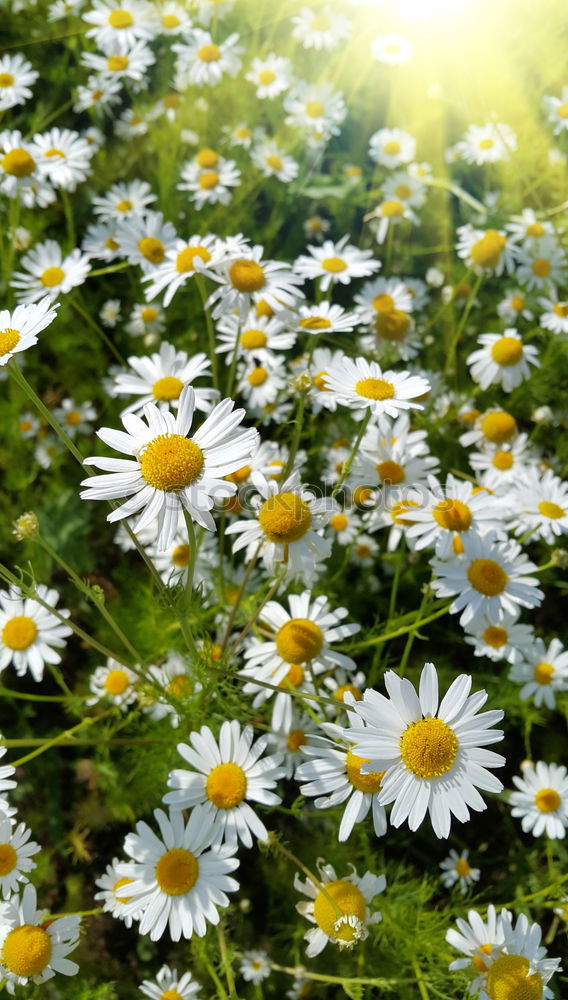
21 380
68 212
347 466
249 568
99 331
420 981
298 425
226 962
400 631
451 358
199 281
412 635
7 693
56 739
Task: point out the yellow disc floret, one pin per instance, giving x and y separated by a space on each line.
26 951
18 163
507 351
349 902
209 53
226 785
334 265
547 800
170 462
495 636
177 871
19 632
508 978
452 515
551 510
152 249
246 275
185 260
285 518
498 426
116 682
207 158
251 340
167 388
52 276
9 339
487 577
299 640
374 388
428 748
120 19
8 859
370 782
487 251
543 673
390 472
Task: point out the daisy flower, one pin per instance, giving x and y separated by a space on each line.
514 307
225 777
124 200
238 135
433 755
486 250
390 212
19 329
113 682
261 384
490 143
178 880
146 321
29 424
527 226
167 470
382 297
321 30
169 984
555 315
502 360
324 318
541 264
540 505
110 313
20 176
298 645
31 947
100 93
210 187
286 528
393 460
490 578
117 26
255 966
336 262
350 897
100 240
173 563
64 157
113 893
557 109
16 850
451 512
118 65
289 742
346 525
494 427
315 227
508 640
520 965
254 336
478 940
145 240
29 634
185 259
456 868
358 384
394 50
161 377
16 79
273 162
75 417
173 18
501 467
245 277
203 62
271 76
543 672
48 272
391 147
317 109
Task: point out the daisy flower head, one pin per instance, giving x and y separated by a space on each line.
271 76
114 894
160 378
173 563
519 966
30 635
19 329
487 250
210 186
491 578
527 226
145 239
456 868
254 336
100 92
315 109
555 315
46 272
543 672
286 527
31 947
390 212
203 62
513 307
325 318
16 851
110 313
64 157
255 966
124 200
450 512
394 50
490 143
245 277
541 264
557 111
492 428
508 639
16 79
300 645
359 384
238 135
270 159
347 525
119 65
541 505
113 682
260 384
315 227
146 321
503 359
225 777
178 880
118 25
391 147
167 470
393 461
339 908
290 741
500 466
6 783
382 297
336 263
183 261
478 940
100 240
322 29
173 18
170 985
20 176
433 753
76 417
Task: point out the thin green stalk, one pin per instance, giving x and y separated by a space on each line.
21 380
47 744
451 357
396 579
192 552
399 631
249 568
298 425
347 466
83 313
226 963
200 283
21 695
68 212
319 977
412 635
420 981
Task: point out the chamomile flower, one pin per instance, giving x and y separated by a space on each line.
118 65
336 262
173 563
186 259
543 672
508 639
346 526
456 868
557 109
145 240
146 321
457 508
433 755
503 359
113 682
100 93
16 79
30 635
287 527
210 187
339 908
290 741
260 384
541 505
225 777
29 425
514 307
519 965
100 240
167 470
117 26
203 62
6 783
394 50
273 162
541 264
114 893
16 851
490 143
555 315
76 417
245 277
391 147
169 984
491 428
541 801
253 337
486 250
177 881
320 29
124 200
490 578
394 460
19 329
324 318
20 176
500 466
173 18
317 109
359 384
110 313
64 157
255 966
315 227
31 947
161 377
478 940
382 297
47 272
527 226
271 76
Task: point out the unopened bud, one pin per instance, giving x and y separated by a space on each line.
25 526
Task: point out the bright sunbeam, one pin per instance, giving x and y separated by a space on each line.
422 10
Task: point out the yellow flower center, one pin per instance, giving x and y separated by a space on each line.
364 782
486 144
503 460
170 21
263 309
207 159
26 951
296 739
243 133
240 475
499 427
19 633
299 640
251 340
152 249
294 677
392 326
561 309
349 900
258 376
8 340
338 522
172 100
314 109
363 551
111 244
392 148
390 472
25 425
6 79
226 785
547 800
517 303
167 388
209 53
185 258
170 462
149 314
8 859
487 251
52 276
383 303
73 418
541 267
118 885
399 509
543 673
171 995
116 682
535 229
452 515
508 979
116 64
391 209
177 871
477 961
495 636
274 162
315 323
428 748
55 152
334 265
507 351
551 510
246 275
209 180
120 19
285 518
403 191
340 692
265 77
463 867
180 685
18 162
374 388
180 555
487 576
319 382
